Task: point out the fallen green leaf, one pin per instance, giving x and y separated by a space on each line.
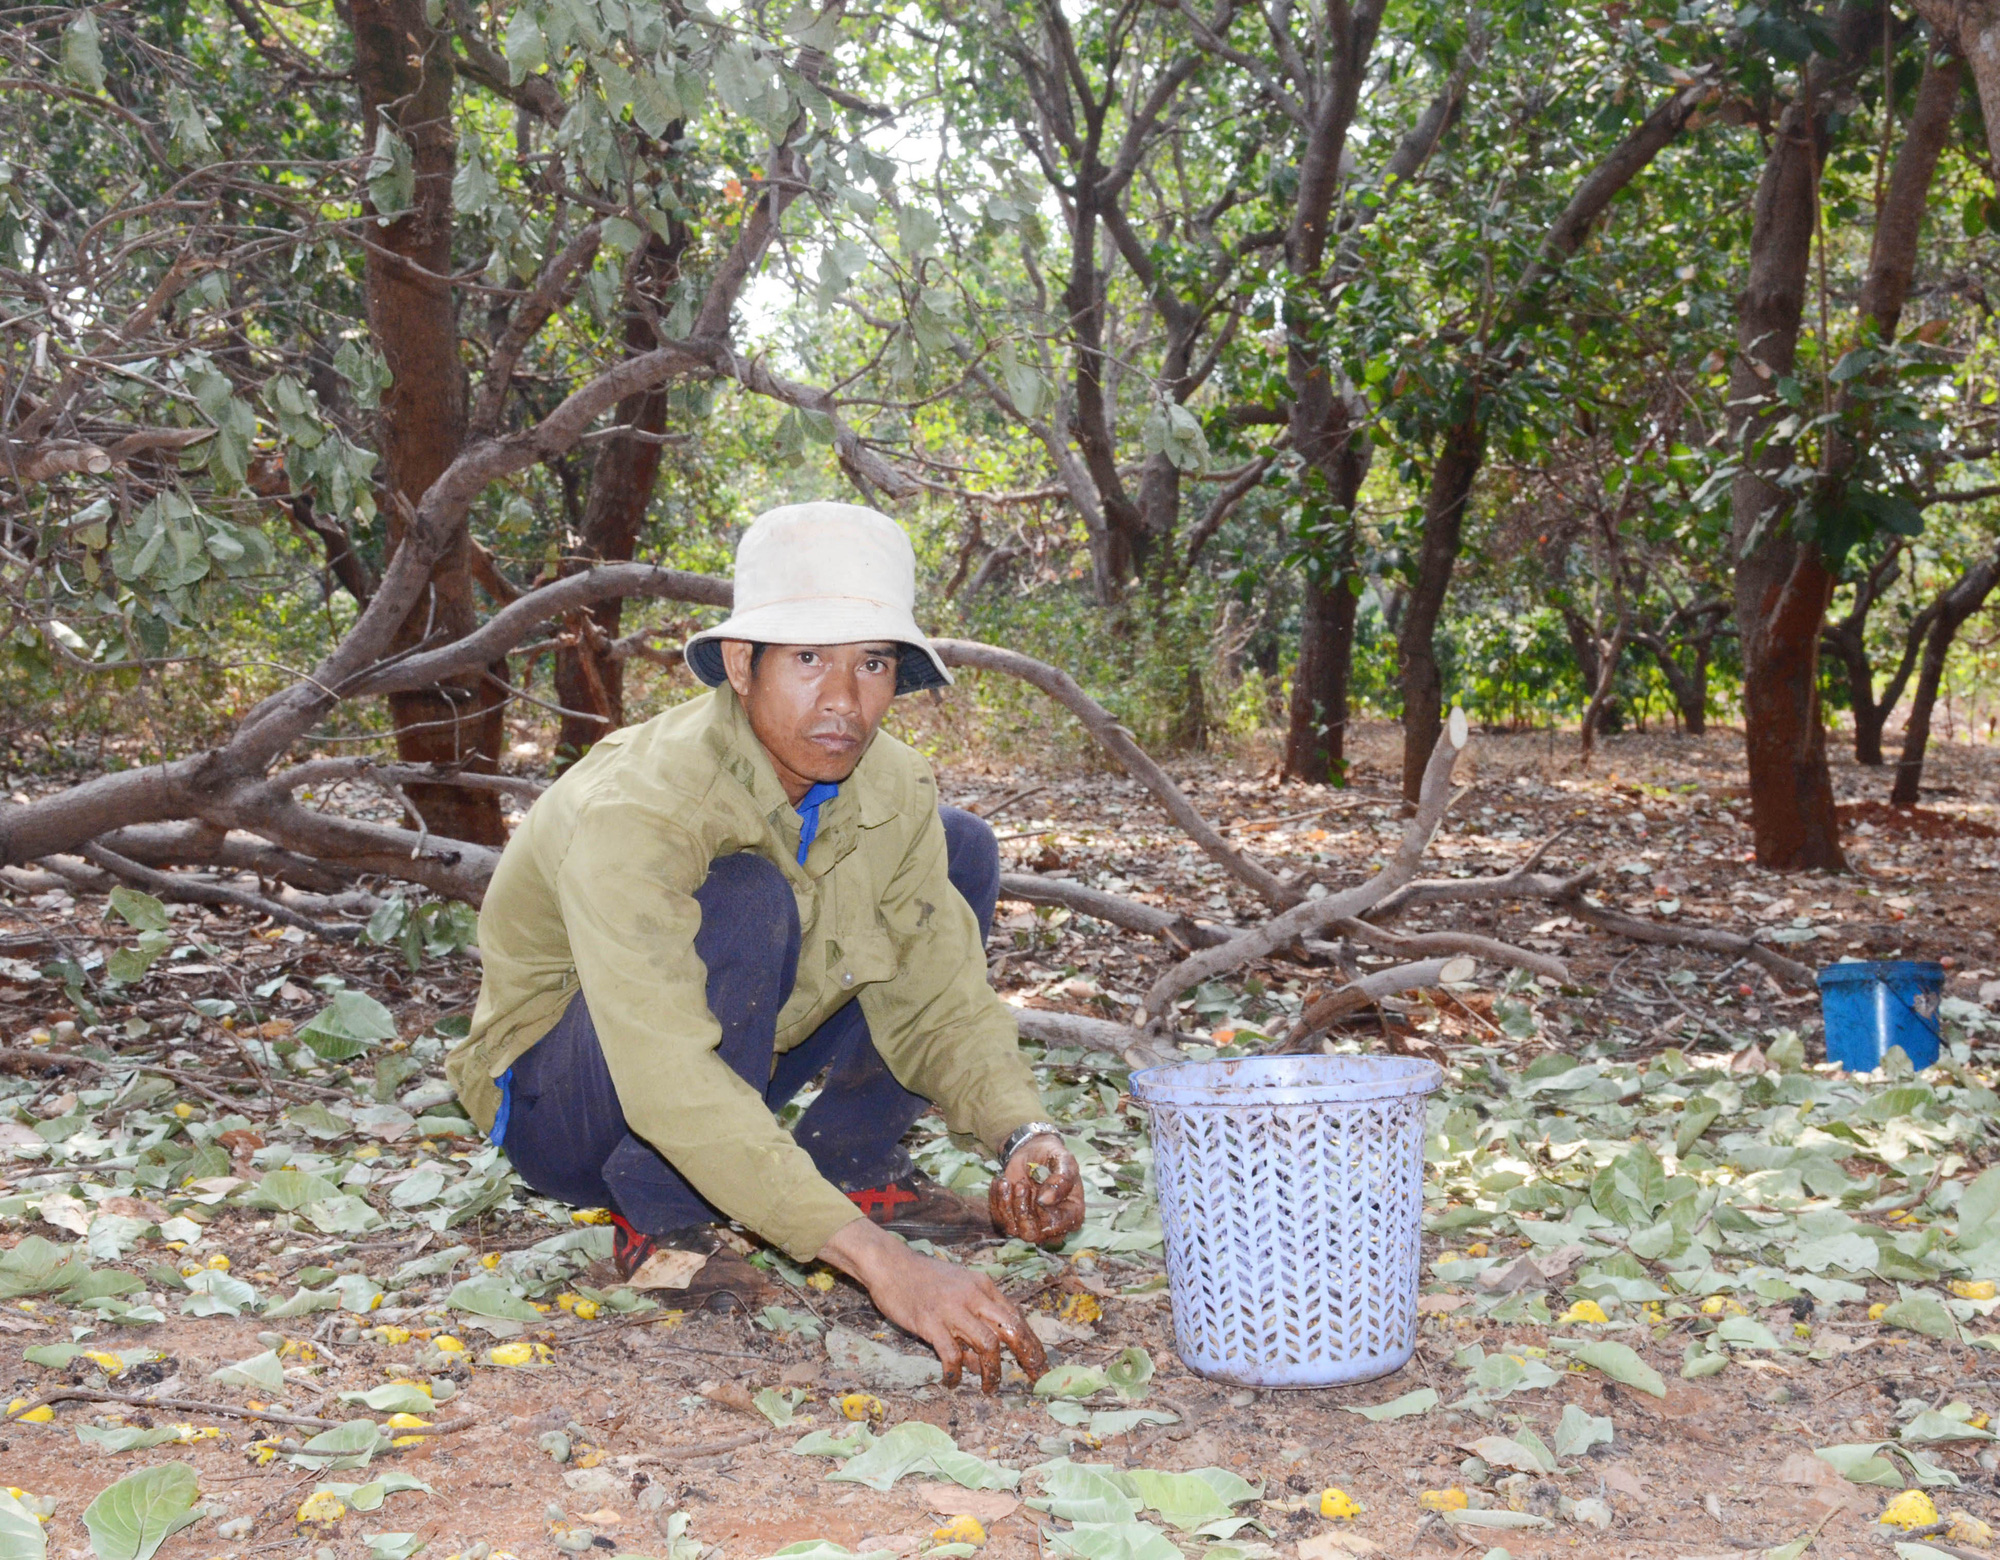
131 1519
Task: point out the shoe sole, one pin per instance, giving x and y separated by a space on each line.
940 1234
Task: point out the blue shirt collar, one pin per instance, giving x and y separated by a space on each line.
807 807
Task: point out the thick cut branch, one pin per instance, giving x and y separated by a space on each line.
53 458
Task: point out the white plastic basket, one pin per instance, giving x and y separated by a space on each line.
1291 1194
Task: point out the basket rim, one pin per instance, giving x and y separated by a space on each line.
1221 1084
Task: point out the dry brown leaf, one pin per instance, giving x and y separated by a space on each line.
1521 1273
730 1394
668 1270
1802 1470
1502 1452
1337 1546
133 1208
898 1544
948 1500
1622 1480
1055 1332
1438 1305
1561 1259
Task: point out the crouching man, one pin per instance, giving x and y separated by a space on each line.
749 893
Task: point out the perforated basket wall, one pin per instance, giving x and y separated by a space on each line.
1291 1194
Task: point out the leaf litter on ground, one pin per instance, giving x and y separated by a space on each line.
1636 1185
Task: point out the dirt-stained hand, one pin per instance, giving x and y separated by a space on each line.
1039 1196
961 1314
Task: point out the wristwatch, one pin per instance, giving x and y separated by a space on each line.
1022 1133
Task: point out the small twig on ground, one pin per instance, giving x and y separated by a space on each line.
13 1056
666 1456
183 1405
250 1061
1008 803
1473 1013
1915 1199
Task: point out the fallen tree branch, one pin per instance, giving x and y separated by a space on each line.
1508 885
184 888
24 1059
1139 1047
1422 944
200 844
1316 914
1515 884
326 771
1116 740
1372 988
1710 939
457 869
1029 888
60 871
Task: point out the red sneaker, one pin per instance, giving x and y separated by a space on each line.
917 1208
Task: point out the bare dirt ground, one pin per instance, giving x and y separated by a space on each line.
1720 1464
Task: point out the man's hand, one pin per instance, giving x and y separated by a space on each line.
1042 1208
960 1314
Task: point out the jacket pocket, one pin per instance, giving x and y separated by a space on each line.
860 958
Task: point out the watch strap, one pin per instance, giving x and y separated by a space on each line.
1022 1133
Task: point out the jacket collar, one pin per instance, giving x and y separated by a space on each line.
863 801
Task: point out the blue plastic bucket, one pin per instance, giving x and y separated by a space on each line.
1873 1004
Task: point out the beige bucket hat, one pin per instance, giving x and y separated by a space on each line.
824 574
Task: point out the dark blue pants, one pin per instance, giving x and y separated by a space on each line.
566 1133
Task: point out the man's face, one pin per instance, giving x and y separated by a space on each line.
814 707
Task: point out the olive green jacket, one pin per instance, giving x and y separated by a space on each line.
596 891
